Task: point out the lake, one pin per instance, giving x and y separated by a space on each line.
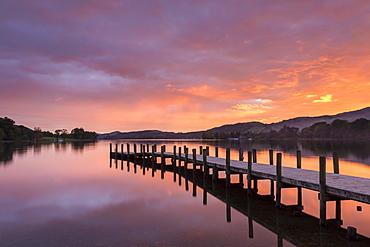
70 194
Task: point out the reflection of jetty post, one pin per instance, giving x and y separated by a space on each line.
329 185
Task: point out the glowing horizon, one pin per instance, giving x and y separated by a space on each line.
180 66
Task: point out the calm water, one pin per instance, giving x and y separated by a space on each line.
68 195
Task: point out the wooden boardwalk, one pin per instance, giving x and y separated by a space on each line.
331 186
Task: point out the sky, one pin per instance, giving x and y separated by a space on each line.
180 66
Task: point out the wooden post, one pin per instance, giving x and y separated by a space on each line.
322 190
162 155
135 152
271 159
122 150
174 157
254 155
153 161
110 148
186 150
249 177
241 158
336 162
204 196
200 149
228 167
153 155
336 171
228 213
205 165
179 156
174 163
163 160
116 152
299 159
128 151
143 152
278 180
255 181
207 147
147 146
194 159
299 189
216 151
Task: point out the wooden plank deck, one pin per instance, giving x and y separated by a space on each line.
343 186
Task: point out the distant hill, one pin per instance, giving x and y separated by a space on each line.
302 122
151 134
299 122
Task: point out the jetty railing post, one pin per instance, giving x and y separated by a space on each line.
249 176
194 168
174 163
278 180
163 160
200 150
255 181
174 157
241 158
207 147
162 155
299 189
180 156
205 164
271 159
128 152
135 152
216 151
336 171
194 159
143 152
153 160
186 150
116 151
228 167
254 155
147 146
322 182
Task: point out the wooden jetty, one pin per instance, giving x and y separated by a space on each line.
331 186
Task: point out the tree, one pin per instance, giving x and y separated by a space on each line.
64 134
37 133
58 132
2 134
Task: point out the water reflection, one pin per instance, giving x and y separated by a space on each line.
9 149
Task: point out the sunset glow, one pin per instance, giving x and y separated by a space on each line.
180 65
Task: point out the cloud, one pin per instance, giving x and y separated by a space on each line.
203 62
324 99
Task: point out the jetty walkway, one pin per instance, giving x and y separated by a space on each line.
331 186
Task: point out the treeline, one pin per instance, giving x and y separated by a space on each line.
338 129
11 132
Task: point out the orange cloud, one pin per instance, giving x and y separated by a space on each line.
324 99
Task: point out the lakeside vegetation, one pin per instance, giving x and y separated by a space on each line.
338 129
11 132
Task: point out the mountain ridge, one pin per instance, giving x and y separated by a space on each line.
298 122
